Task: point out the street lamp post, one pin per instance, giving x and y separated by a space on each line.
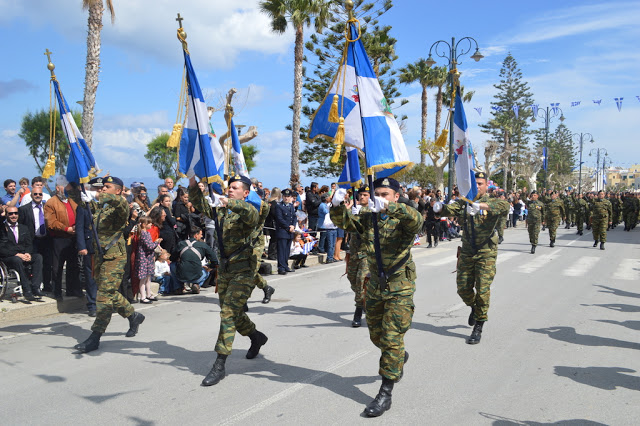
604 153
604 176
452 57
581 138
547 114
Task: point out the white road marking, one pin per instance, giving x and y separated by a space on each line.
581 266
441 261
537 263
292 389
504 256
629 270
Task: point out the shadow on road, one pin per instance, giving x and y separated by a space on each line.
617 292
607 378
444 330
620 307
569 335
505 421
633 325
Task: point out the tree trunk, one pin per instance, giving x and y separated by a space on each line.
423 135
92 68
438 112
439 177
297 107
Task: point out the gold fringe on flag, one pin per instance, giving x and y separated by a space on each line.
49 168
176 135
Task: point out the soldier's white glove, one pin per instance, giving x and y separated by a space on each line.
216 199
88 196
338 197
437 206
371 204
473 208
380 204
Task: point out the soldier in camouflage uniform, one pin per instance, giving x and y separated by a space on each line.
477 258
601 219
258 250
554 213
389 305
581 212
630 211
616 205
503 221
590 198
535 217
357 268
238 222
569 210
111 214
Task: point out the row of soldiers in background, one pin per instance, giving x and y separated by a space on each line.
599 211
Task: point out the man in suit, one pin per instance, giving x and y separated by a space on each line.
312 202
85 246
16 252
285 229
60 218
31 215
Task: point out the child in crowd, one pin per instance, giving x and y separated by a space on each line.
145 254
297 251
163 272
24 185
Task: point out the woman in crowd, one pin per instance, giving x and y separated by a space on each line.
270 224
140 198
181 212
167 229
327 228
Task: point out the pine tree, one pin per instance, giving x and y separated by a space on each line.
561 152
326 51
511 132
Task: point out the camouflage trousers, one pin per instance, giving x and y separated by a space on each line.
580 222
356 273
234 288
475 275
630 219
500 226
534 230
108 275
571 217
599 229
389 318
552 224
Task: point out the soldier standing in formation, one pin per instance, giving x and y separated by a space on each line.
569 210
237 223
477 258
581 213
630 211
503 221
616 205
554 213
535 217
601 219
357 268
112 214
389 304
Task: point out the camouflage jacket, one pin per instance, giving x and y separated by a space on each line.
568 203
554 209
259 233
397 229
581 206
602 210
110 217
535 210
240 225
478 232
356 249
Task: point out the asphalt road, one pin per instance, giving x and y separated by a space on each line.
561 346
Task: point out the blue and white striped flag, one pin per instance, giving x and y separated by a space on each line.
238 156
306 249
465 177
555 107
544 158
619 103
516 109
198 156
479 109
497 108
534 109
369 123
350 176
81 159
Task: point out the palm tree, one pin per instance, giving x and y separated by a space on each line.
92 67
299 13
439 80
420 72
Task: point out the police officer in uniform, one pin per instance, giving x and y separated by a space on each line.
477 258
111 215
285 229
389 302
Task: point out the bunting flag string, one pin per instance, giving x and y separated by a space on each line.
479 110
534 109
619 103
597 101
575 104
555 107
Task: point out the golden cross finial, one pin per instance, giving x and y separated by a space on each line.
48 55
50 65
179 19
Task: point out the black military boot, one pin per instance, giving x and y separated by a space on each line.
579 232
476 334
406 358
595 243
91 344
357 318
435 242
245 307
258 340
134 322
430 245
217 372
471 321
533 249
268 292
601 246
553 243
500 240
382 402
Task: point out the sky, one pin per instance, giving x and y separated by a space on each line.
567 51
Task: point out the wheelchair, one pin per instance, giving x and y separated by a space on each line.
9 283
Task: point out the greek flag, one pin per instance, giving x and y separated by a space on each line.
576 167
238 157
516 109
306 249
534 109
497 108
81 159
350 175
369 124
544 158
197 155
479 109
465 177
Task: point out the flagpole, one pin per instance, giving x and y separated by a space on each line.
581 137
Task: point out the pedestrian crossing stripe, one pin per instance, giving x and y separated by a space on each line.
581 266
538 262
628 270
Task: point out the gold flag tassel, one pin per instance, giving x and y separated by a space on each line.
176 133
339 141
333 112
50 167
441 142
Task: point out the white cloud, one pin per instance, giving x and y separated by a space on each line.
153 119
9 133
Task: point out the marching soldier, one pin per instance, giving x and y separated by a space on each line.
554 210
630 211
601 219
112 214
616 205
477 258
569 210
503 221
389 303
357 268
534 218
258 250
581 213
237 220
